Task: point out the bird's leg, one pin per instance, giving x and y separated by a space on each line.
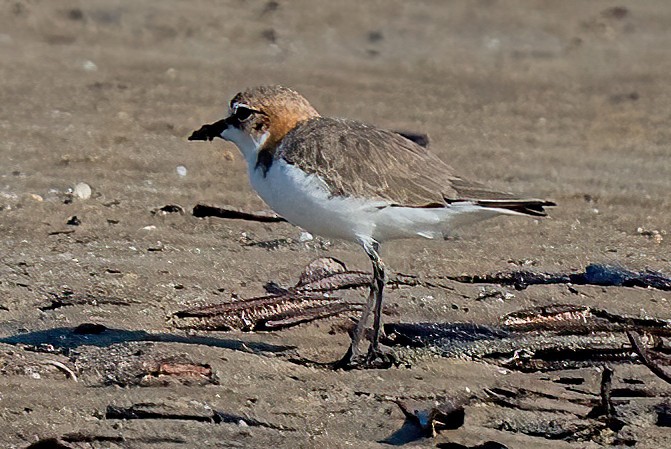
374 358
377 288
353 355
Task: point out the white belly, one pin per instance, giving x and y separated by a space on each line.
304 201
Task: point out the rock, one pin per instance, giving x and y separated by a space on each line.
168 209
73 221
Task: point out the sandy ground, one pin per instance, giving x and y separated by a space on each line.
565 100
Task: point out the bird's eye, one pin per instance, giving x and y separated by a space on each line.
242 113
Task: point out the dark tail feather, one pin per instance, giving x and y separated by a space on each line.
527 207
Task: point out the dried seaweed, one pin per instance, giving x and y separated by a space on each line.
545 338
163 411
263 313
308 300
594 274
557 336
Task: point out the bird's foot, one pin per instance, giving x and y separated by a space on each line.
375 358
379 358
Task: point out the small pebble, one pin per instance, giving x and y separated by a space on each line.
89 66
36 197
492 43
305 237
82 191
181 170
655 235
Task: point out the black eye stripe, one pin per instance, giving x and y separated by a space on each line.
242 113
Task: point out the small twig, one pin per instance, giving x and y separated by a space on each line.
63 368
646 357
202 210
605 407
65 231
606 385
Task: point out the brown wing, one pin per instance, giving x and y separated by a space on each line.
360 160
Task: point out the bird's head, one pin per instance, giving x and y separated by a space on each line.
258 119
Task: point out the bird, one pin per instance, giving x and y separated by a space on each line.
349 180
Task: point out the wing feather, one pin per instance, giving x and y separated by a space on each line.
360 160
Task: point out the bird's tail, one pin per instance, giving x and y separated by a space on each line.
531 207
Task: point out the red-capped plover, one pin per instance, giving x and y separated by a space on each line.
345 179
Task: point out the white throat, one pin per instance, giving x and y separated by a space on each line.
248 145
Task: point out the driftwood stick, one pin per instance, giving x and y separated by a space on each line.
202 210
71 374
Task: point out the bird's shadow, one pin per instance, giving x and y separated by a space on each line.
68 338
408 433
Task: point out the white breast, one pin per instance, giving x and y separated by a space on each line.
304 200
